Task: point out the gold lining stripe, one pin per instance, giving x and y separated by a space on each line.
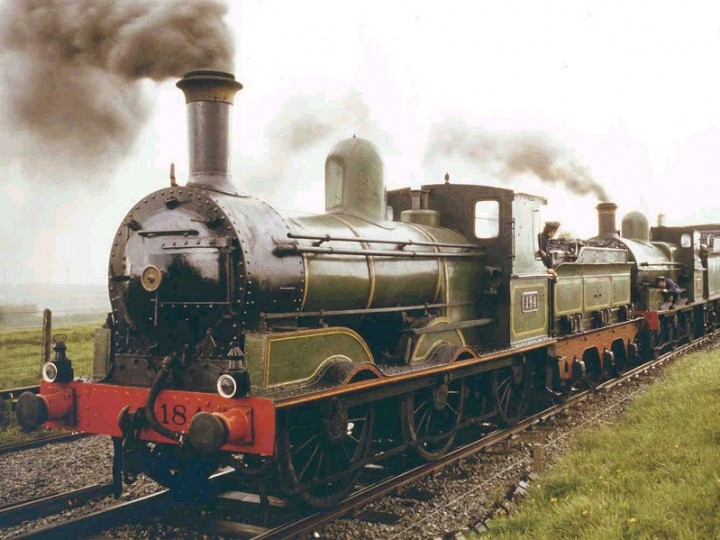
431 350
266 366
435 322
313 374
306 334
370 260
442 267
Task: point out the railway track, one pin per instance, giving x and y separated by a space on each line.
13 514
41 441
11 394
163 503
137 511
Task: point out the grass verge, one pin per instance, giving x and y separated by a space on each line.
654 474
20 352
20 366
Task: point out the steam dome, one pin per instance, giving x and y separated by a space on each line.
354 181
635 226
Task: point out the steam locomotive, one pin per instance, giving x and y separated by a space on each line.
293 348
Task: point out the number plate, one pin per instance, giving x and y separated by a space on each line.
530 301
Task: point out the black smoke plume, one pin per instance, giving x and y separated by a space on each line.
306 123
508 155
72 73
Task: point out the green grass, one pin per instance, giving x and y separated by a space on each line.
20 353
20 364
654 474
12 434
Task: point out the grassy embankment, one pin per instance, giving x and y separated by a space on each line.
653 474
20 365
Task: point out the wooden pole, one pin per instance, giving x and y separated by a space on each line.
537 456
46 336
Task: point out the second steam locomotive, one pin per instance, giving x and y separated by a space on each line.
301 346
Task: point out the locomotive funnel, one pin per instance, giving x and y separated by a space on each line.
209 95
606 219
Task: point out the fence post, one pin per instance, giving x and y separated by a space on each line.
537 457
46 336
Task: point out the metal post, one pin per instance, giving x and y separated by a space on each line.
117 467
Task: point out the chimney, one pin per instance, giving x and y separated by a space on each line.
209 95
661 220
606 219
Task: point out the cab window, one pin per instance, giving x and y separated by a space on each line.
487 219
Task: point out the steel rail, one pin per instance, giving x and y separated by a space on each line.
107 518
13 393
42 441
137 510
13 514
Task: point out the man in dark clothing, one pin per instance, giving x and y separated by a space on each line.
551 228
669 288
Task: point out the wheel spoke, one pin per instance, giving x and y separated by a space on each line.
425 417
304 445
321 462
430 420
507 393
348 455
309 461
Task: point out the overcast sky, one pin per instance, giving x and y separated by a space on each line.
630 89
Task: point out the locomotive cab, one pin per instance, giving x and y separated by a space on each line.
514 283
684 245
